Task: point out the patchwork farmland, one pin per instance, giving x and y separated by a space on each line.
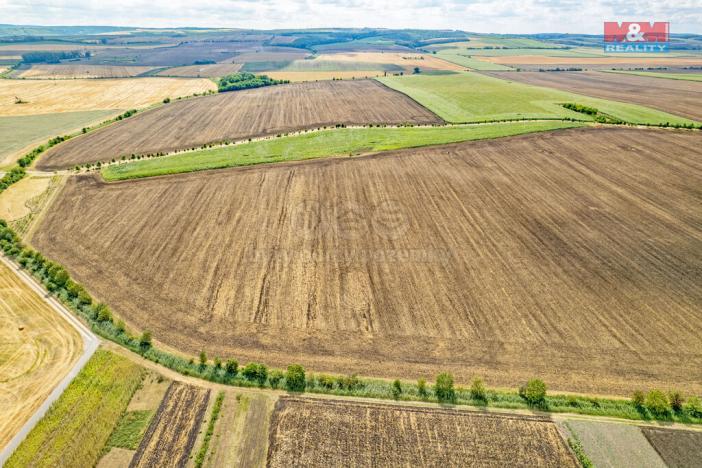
306 432
495 257
679 97
242 114
65 71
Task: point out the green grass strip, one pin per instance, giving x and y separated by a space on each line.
669 76
200 457
130 430
334 142
577 447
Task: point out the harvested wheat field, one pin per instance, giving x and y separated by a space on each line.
678 97
678 449
206 71
70 71
170 437
298 76
610 60
404 60
241 114
48 96
37 349
309 432
575 256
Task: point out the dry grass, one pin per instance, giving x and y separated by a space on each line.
574 256
306 432
298 76
13 201
37 349
679 97
150 394
205 71
48 96
173 431
238 115
679 449
116 458
71 71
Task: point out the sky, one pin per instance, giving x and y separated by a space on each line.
506 16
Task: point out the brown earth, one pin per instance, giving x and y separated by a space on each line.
575 256
679 449
678 97
209 71
80 71
171 435
241 114
309 432
607 60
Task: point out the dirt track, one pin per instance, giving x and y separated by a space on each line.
238 115
678 97
575 256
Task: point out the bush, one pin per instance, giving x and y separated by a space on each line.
444 388
231 367
255 372
145 340
657 403
325 381
478 391
349 382
295 378
275 377
638 399
203 359
534 392
694 407
396 389
676 401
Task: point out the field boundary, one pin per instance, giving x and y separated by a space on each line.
90 345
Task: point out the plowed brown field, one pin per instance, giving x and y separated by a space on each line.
171 435
307 432
575 256
678 97
241 114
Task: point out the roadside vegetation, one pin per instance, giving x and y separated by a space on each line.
325 143
472 97
664 75
245 80
79 424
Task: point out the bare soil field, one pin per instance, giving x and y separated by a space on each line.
679 449
241 114
72 71
49 96
574 256
37 349
307 432
406 60
298 76
514 60
205 71
172 433
678 97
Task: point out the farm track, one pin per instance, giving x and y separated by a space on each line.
683 98
568 256
170 437
310 432
242 114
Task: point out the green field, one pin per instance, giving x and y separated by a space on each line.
130 430
335 142
77 426
17 132
669 76
511 52
472 97
463 57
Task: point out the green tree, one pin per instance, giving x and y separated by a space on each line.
295 378
657 403
444 388
203 359
255 372
231 367
478 391
693 406
217 363
422 389
534 392
676 401
638 399
145 340
275 377
396 389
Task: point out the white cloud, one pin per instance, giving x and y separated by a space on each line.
507 16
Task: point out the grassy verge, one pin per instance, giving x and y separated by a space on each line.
130 430
98 316
202 453
577 447
669 76
470 97
78 425
334 142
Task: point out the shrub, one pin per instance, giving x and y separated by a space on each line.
217 363
676 401
694 407
231 367
255 372
203 359
295 378
145 340
657 403
396 389
349 382
638 399
534 392
275 377
444 388
478 391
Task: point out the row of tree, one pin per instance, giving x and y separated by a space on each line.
245 80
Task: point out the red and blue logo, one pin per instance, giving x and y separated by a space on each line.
636 36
